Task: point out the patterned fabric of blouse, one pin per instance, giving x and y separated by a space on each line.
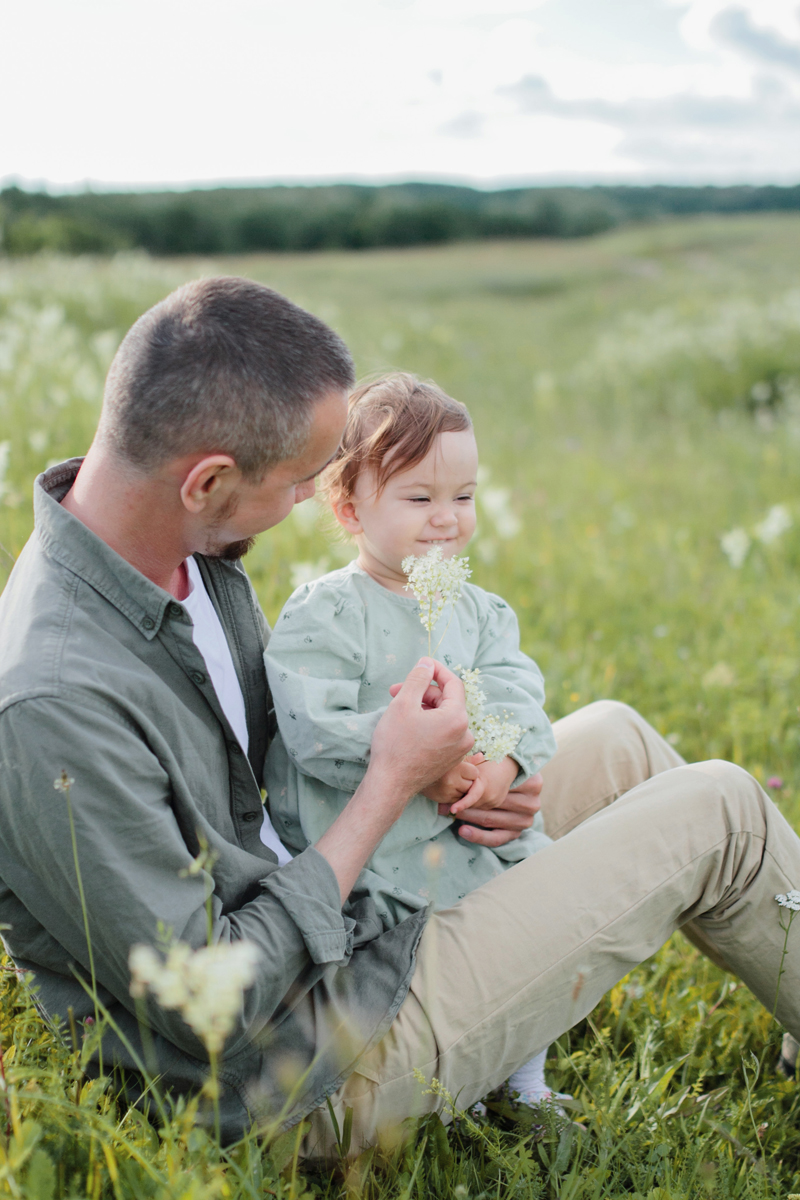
337 646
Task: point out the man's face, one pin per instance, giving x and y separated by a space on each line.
254 507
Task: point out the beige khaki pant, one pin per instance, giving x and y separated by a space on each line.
521 959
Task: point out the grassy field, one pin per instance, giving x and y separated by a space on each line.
637 399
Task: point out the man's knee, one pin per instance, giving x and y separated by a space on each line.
729 782
606 721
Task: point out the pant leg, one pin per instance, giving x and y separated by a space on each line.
604 750
517 962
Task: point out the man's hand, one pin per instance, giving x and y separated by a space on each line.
498 826
421 736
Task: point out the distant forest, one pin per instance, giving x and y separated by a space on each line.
241 220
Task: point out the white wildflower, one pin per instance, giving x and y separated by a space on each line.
776 522
495 501
5 455
720 675
496 738
206 985
735 546
791 900
63 782
435 582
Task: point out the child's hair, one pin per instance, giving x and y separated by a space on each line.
391 425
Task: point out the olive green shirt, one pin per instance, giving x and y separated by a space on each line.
100 678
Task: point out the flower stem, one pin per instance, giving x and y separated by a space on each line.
6 1103
213 1062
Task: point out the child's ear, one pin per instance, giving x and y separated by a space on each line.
346 515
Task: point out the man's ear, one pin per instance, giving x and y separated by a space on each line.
347 516
209 482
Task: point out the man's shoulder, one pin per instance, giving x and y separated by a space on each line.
56 632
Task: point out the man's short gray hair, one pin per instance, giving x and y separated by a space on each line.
222 365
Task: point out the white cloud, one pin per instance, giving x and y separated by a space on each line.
180 90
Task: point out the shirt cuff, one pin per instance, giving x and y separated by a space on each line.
528 754
309 892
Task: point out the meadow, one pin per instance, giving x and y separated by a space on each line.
637 402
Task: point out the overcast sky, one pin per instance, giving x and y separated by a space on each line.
484 91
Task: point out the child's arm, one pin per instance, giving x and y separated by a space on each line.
513 685
315 664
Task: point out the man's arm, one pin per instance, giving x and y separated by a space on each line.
133 855
129 823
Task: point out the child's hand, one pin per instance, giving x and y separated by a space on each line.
461 782
496 778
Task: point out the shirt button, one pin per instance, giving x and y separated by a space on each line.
250 816
234 748
198 677
148 623
175 610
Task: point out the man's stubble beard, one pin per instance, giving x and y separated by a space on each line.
228 551
234 550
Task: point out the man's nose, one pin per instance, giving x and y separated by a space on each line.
304 491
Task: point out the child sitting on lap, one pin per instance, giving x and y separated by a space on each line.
403 482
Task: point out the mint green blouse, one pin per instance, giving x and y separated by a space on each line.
337 646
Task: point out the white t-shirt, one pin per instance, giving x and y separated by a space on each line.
209 638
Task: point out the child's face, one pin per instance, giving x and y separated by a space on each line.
430 504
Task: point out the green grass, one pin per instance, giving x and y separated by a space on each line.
638 395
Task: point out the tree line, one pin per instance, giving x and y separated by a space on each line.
241 220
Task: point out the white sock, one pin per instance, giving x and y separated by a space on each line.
529 1080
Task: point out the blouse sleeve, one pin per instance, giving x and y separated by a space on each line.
315 663
513 685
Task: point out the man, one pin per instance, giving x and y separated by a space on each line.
131 675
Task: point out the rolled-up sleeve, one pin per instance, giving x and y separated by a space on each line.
134 864
309 892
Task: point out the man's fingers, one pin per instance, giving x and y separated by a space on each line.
531 787
486 837
416 682
431 699
498 818
522 802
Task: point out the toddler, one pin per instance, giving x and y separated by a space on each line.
403 482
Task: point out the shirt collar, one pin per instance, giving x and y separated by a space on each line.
69 542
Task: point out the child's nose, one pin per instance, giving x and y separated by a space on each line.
444 516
